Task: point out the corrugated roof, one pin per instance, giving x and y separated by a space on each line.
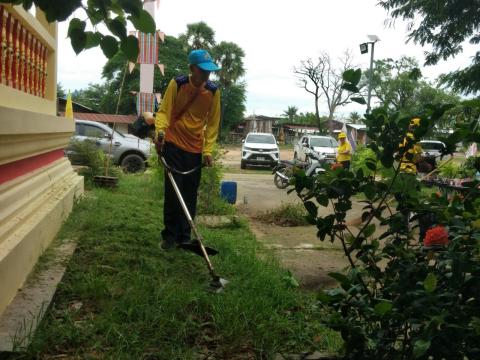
105 118
358 126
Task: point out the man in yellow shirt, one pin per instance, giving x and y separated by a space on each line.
186 127
344 151
413 155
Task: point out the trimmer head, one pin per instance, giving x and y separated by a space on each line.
218 284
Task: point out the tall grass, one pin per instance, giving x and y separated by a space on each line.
122 297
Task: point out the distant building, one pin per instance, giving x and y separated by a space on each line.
81 112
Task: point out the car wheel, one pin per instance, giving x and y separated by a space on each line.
133 163
243 165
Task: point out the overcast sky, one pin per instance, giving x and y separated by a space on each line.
275 35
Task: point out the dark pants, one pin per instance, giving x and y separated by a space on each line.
346 164
177 229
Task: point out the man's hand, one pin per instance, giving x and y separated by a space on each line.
159 141
208 160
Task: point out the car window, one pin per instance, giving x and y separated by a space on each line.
431 146
260 139
323 142
93 131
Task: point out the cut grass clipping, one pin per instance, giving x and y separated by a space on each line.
122 297
285 215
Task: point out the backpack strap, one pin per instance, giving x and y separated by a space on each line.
183 80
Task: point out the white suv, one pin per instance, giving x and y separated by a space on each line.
259 149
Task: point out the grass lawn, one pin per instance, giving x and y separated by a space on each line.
122 297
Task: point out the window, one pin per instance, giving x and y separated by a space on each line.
260 139
93 131
323 142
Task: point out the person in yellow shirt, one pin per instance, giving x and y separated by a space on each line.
344 151
186 128
413 155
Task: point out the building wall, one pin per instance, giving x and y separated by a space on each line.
37 183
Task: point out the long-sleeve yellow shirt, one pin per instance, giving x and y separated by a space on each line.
197 128
409 162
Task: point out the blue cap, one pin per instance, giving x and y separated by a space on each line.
203 60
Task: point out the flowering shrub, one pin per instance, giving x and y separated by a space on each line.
437 236
396 300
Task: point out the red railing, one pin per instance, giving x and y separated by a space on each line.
23 58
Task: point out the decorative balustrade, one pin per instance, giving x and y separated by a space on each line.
23 57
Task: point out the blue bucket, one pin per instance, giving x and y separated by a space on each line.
228 191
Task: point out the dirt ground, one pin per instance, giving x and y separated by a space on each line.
298 248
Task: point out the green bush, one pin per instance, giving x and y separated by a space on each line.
401 298
448 170
364 155
209 200
86 153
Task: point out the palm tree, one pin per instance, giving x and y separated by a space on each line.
229 56
291 113
355 117
198 36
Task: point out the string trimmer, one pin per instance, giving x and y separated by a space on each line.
217 284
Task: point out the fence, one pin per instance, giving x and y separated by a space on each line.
23 57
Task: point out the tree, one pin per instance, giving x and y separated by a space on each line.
61 91
327 80
229 56
291 113
233 106
445 25
399 86
355 117
198 36
113 14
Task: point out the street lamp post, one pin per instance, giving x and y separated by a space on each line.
364 49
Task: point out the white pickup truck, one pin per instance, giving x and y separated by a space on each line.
324 145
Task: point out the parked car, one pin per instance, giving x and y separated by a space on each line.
432 148
128 151
324 145
259 149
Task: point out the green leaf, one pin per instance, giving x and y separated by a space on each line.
359 100
369 230
383 307
420 348
311 208
342 279
75 25
131 6
93 39
78 38
118 27
129 46
350 87
430 283
109 46
352 76
372 165
322 199
369 191
143 22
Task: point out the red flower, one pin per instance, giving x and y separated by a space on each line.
436 236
